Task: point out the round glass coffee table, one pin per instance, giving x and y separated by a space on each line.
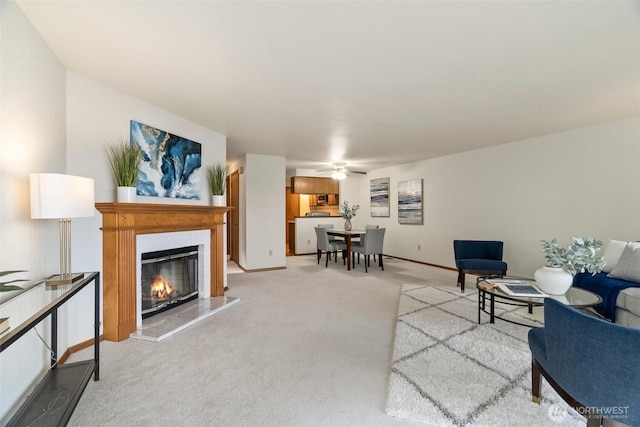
488 289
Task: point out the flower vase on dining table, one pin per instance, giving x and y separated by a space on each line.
347 213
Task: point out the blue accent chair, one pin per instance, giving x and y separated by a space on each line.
593 364
481 257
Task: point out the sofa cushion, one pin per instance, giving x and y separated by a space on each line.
629 299
627 318
628 267
612 254
628 308
481 264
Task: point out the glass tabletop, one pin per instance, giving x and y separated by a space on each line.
574 297
36 298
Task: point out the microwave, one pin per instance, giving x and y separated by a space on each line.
323 199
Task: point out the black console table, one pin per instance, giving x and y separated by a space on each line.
53 400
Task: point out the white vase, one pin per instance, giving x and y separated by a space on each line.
347 225
553 280
126 194
218 200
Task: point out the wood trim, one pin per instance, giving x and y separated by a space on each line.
258 270
121 224
401 258
76 348
422 262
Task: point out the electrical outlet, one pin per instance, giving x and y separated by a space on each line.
419 247
308 242
270 252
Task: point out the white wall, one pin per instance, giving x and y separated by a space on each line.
582 182
32 124
263 212
96 116
355 191
54 121
32 139
306 240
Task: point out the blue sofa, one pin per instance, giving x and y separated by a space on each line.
607 287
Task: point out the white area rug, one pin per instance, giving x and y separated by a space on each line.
448 370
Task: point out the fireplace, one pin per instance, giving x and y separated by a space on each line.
168 278
129 229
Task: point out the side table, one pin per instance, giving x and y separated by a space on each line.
53 400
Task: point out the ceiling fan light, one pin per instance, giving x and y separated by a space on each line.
339 175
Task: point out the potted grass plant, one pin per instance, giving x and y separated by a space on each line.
216 176
125 160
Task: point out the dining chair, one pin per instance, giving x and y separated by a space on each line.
362 236
371 245
332 239
324 246
329 227
367 227
482 257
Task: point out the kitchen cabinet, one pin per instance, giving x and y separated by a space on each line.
314 185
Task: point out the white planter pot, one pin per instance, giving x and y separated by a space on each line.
553 280
218 200
126 194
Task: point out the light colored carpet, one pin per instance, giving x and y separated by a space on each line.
304 346
448 370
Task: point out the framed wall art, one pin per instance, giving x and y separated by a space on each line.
379 191
410 202
171 165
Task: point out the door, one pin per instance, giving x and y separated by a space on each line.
293 210
233 227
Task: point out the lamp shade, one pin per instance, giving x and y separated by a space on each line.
61 196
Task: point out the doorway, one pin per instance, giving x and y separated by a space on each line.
293 210
233 222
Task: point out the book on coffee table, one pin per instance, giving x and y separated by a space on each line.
4 324
521 290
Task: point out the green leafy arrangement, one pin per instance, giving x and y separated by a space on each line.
579 256
125 160
5 287
346 212
216 176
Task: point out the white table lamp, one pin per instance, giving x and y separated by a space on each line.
63 197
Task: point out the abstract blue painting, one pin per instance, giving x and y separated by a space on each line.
171 165
410 202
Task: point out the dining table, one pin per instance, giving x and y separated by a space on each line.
348 236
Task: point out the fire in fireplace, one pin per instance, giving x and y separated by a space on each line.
168 278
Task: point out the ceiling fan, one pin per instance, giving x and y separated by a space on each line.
341 171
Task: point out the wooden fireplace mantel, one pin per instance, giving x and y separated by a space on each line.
121 223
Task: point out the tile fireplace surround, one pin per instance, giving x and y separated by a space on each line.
121 224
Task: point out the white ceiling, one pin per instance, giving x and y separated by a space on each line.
370 83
